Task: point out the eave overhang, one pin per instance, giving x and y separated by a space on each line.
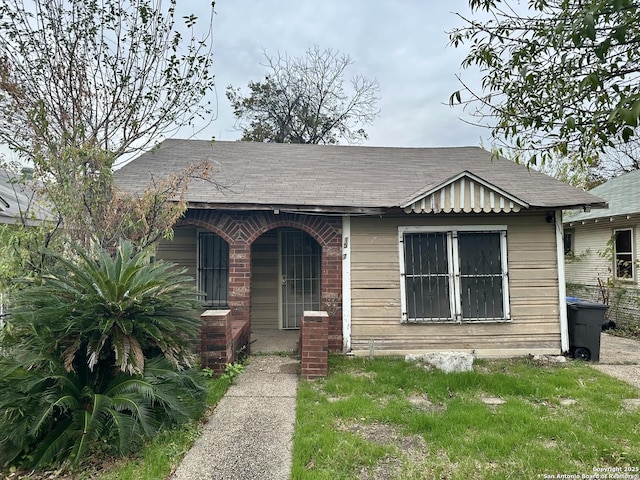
284 208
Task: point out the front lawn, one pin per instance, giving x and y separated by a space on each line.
506 419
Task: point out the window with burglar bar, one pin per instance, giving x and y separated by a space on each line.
213 269
457 275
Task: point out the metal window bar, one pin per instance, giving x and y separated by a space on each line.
456 276
300 256
480 275
213 269
427 277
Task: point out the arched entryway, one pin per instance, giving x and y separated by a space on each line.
286 278
254 285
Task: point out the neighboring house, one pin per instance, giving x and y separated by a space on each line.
407 249
603 248
16 206
17 201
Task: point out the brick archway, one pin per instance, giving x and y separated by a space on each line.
241 229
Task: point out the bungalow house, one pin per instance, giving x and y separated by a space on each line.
602 249
407 249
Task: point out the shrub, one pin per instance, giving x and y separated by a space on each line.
102 350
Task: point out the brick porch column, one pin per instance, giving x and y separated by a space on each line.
240 281
314 344
332 290
216 341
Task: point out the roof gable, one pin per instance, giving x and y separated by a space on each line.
466 193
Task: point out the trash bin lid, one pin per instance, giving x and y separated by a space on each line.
588 305
572 299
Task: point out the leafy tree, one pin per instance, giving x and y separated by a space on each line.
84 84
98 357
579 173
113 74
21 238
93 209
562 78
303 100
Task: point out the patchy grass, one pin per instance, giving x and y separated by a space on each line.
388 419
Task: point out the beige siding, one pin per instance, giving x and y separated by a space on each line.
533 285
183 249
590 260
264 281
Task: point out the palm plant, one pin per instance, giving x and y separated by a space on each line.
111 309
101 355
54 416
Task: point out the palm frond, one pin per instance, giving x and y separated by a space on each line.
86 367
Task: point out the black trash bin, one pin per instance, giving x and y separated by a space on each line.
585 325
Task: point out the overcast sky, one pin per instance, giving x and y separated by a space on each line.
402 43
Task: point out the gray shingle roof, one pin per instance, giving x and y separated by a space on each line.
255 174
16 198
621 193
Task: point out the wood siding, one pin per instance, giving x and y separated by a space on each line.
183 249
589 260
264 281
533 285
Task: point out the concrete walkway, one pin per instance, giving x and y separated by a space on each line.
249 434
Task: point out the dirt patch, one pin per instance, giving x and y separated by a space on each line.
492 401
631 404
626 373
410 449
387 468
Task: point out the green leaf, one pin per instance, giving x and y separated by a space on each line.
619 33
589 26
627 133
455 98
629 117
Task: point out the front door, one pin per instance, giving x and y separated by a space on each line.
299 276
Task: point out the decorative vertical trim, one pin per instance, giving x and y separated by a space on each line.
279 249
562 289
505 274
346 283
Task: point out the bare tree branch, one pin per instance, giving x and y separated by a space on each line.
303 100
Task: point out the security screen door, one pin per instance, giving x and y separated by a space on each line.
299 276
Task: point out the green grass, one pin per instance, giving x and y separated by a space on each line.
163 453
388 419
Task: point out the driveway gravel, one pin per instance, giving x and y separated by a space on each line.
620 358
